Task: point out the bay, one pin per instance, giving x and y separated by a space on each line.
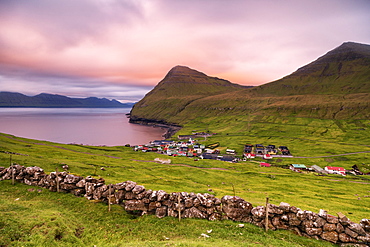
88 126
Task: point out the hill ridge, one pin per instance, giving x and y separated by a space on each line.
14 99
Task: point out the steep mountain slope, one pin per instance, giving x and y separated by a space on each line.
180 87
346 69
335 86
9 99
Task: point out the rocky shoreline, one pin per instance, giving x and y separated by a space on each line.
170 129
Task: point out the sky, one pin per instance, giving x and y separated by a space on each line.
120 49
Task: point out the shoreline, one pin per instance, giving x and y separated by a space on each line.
170 129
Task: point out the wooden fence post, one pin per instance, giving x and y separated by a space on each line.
57 178
13 175
109 195
267 215
178 203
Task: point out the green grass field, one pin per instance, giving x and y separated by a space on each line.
54 219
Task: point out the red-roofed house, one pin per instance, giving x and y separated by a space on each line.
335 170
263 164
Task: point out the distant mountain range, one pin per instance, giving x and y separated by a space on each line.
11 99
335 86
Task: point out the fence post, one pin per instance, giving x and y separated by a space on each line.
267 215
109 195
57 178
178 202
12 167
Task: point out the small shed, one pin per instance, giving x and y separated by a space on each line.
297 167
335 170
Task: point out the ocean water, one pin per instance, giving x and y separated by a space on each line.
89 126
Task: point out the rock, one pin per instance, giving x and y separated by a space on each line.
259 211
313 231
319 222
273 209
188 203
357 228
161 212
81 183
162 195
72 179
193 212
332 219
284 206
120 186
329 227
138 189
235 207
364 239
293 219
214 216
307 223
278 223
153 196
323 213
346 238
365 224
350 233
135 205
330 236
130 185
340 228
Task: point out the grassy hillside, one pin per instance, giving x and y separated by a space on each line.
62 220
344 70
180 87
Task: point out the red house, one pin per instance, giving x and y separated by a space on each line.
263 164
335 170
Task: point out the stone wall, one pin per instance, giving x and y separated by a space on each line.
137 199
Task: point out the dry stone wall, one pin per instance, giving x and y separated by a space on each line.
137 199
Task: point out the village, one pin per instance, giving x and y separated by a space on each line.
187 146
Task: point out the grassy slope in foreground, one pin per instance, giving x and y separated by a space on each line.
349 195
32 218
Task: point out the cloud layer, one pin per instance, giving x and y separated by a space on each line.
122 48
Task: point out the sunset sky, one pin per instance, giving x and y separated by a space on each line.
122 48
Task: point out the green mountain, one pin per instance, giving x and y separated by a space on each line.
344 70
335 86
9 99
179 88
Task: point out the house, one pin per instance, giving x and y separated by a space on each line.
297 167
318 169
335 170
267 156
263 164
230 151
249 155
